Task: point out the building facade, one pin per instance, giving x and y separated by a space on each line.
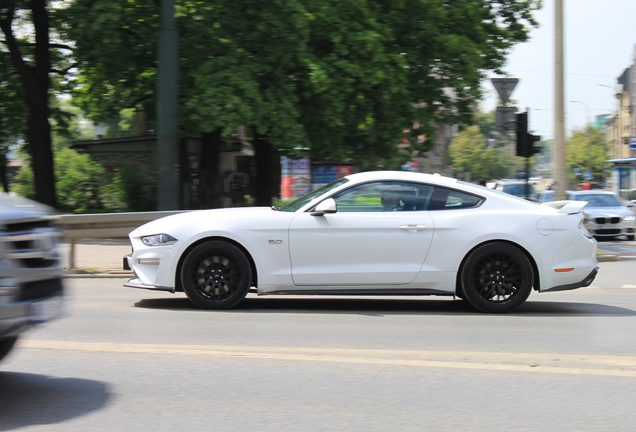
621 132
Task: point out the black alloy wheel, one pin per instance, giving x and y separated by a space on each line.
216 275
497 278
6 345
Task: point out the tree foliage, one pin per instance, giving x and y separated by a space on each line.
471 153
587 151
340 76
84 187
29 60
78 182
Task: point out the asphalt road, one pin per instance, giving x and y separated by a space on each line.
125 359
617 247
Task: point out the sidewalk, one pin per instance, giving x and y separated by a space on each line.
97 257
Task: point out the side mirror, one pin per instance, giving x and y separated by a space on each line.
326 206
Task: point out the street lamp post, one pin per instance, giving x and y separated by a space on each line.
559 108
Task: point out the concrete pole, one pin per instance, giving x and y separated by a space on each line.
559 105
167 111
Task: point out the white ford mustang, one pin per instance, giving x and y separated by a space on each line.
372 233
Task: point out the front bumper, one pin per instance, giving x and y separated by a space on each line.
18 317
137 283
610 229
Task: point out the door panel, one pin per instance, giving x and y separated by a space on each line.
359 248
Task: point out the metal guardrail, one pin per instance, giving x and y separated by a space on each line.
107 225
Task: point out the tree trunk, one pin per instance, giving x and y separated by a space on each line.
210 186
41 153
3 173
185 175
266 185
36 83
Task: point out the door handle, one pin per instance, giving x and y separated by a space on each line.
413 227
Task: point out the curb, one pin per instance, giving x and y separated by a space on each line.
607 258
83 274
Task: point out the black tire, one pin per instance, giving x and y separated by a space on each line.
630 237
459 292
6 345
497 278
216 275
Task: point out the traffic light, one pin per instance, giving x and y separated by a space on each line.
532 148
522 131
525 140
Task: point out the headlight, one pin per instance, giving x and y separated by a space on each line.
158 240
630 218
584 230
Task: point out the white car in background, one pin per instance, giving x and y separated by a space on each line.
606 215
372 233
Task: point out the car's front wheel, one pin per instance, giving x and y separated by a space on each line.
6 345
497 278
216 275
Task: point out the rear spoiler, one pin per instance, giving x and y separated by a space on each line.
566 207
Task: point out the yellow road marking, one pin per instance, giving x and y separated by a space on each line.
571 364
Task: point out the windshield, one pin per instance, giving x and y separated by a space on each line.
295 205
599 200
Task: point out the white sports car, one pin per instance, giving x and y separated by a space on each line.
372 233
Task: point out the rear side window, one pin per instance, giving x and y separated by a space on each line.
450 199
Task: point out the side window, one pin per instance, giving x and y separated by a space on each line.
384 196
450 199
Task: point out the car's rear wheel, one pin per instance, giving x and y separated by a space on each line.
6 345
497 278
216 275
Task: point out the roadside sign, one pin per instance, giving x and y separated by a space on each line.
632 142
504 87
505 118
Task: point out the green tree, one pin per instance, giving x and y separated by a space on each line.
27 52
79 181
502 164
129 190
587 151
469 154
341 78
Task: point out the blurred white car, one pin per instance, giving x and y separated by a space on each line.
373 233
606 215
31 288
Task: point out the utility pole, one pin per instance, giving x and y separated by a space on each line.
558 171
167 111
